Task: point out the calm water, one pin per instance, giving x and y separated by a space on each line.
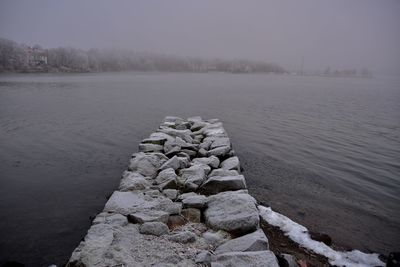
324 151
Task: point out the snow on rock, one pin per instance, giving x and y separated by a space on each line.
300 235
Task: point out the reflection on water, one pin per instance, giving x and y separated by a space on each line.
323 151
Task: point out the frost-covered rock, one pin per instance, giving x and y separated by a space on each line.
133 181
255 241
216 184
184 134
212 161
150 148
154 228
147 164
204 258
232 212
231 164
193 175
248 259
220 141
166 179
175 163
186 195
149 216
219 151
170 193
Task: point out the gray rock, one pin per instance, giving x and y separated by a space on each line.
215 238
113 219
149 216
192 215
194 119
248 259
205 167
212 161
255 241
154 228
186 195
234 212
175 163
231 164
222 172
289 260
214 129
194 174
202 152
147 164
219 151
206 144
173 119
189 152
198 202
166 179
133 181
204 257
220 141
152 193
216 184
198 125
132 202
157 138
183 237
184 134
150 148
170 193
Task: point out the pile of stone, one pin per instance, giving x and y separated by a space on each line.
182 202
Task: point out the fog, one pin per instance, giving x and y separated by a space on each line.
339 34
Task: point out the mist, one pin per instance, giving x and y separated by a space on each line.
339 34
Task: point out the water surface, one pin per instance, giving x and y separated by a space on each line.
324 151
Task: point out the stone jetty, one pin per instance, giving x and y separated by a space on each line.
182 202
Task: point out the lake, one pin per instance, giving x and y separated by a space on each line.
323 151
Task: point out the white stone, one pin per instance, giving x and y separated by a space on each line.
248 259
255 241
216 184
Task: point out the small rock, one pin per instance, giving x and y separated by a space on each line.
192 215
219 151
183 237
215 238
154 228
194 174
202 152
175 163
147 164
185 195
222 172
212 161
216 184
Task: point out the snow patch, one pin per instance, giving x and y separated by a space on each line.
299 234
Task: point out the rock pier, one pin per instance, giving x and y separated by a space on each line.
182 202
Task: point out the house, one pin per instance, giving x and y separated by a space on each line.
36 56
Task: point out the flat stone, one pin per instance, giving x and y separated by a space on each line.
212 161
149 216
248 259
192 215
184 134
150 148
234 212
198 202
170 193
154 228
219 151
133 181
231 164
222 172
214 129
256 241
216 184
183 237
186 195
166 175
147 164
113 219
157 138
175 163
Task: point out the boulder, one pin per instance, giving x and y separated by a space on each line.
234 212
147 164
185 195
256 241
198 202
113 219
157 138
175 163
219 151
222 172
173 119
215 238
205 167
133 181
216 184
248 259
154 228
192 215
150 148
184 134
231 164
149 216
194 174
220 141
202 152
166 179
212 161
183 237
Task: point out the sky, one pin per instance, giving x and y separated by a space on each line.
340 34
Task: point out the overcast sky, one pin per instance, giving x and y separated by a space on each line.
340 33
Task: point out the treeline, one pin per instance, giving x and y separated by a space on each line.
16 57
